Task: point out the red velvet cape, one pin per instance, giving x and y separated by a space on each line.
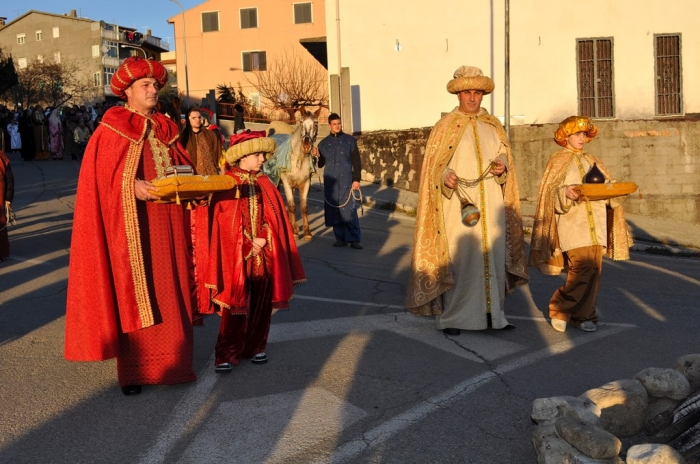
108 290
226 274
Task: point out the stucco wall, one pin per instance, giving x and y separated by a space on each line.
662 157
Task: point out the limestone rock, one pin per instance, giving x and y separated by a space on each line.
664 383
622 404
551 449
565 406
591 440
689 366
653 454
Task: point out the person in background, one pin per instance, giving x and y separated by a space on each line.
56 135
7 193
129 287
339 155
238 113
254 261
81 135
15 137
571 232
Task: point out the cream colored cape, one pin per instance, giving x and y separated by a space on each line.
430 270
545 252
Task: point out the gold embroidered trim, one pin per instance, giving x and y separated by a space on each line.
161 156
133 235
589 208
485 249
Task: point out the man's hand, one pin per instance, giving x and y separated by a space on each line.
355 185
145 191
498 167
258 244
571 193
450 180
315 152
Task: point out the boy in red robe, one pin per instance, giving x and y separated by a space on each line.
254 262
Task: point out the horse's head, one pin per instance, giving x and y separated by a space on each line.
309 130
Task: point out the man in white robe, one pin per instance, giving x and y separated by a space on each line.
461 273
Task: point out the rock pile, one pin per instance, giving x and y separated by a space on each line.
660 404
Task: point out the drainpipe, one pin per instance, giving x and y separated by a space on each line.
340 82
507 71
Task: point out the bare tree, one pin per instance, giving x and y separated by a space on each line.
8 74
50 83
291 81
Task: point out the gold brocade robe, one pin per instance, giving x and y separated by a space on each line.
545 252
431 274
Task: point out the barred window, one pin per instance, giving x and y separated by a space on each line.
210 21
595 77
96 79
302 13
249 18
21 38
254 61
667 57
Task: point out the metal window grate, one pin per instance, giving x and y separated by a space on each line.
667 50
595 78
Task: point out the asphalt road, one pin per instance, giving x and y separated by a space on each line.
352 377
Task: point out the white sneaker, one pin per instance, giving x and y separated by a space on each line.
587 326
559 325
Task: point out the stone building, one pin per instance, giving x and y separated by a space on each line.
96 47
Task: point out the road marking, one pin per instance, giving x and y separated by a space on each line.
350 302
196 408
393 426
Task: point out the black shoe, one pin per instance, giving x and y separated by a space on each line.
508 327
449 331
340 243
131 390
223 367
356 245
260 358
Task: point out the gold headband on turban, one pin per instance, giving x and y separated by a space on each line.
470 78
572 125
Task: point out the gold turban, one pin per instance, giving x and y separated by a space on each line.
470 78
248 143
572 125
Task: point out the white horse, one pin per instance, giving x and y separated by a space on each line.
295 171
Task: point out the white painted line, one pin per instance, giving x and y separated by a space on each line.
350 302
389 429
184 413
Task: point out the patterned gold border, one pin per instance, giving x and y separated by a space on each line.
133 235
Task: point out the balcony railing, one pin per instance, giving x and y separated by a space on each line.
110 61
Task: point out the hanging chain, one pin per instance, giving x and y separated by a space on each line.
464 184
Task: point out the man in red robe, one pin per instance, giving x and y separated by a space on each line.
128 282
253 261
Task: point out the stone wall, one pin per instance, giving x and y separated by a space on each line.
661 156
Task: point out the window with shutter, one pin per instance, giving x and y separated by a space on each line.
249 18
667 57
302 13
210 21
595 77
